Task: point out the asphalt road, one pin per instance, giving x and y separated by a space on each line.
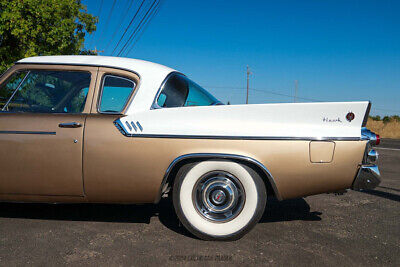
357 229
390 143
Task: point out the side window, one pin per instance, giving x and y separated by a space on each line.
179 91
46 91
9 86
115 93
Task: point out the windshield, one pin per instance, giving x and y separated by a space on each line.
179 91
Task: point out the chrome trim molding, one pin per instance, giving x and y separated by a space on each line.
133 126
77 64
228 137
15 91
121 127
140 126
368 177
129 126
366 134
70 125
101 89
372 156
27 132
217 156
155 105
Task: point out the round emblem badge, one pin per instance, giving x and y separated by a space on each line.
350 116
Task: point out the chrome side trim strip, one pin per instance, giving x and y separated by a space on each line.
27 132
218 137
217 156
121 128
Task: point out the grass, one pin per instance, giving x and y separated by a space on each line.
385 130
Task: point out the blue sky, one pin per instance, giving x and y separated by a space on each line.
337 50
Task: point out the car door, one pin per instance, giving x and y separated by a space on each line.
43 109
111 160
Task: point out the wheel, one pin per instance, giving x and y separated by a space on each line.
218 199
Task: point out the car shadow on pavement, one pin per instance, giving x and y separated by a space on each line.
115 213
78 212
389 188
276 211
383 194
289 210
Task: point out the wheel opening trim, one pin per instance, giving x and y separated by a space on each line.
208 156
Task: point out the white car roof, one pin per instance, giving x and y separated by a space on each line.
135 65
151 74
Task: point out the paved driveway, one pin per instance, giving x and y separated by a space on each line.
358 228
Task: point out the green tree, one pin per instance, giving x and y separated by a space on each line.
396 118
42 27
386 119
375 118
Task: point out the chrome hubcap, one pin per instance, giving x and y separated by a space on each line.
218 196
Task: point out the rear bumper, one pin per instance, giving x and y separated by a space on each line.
368 177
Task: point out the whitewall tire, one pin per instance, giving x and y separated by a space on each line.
219 199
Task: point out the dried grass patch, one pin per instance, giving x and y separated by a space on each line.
385 130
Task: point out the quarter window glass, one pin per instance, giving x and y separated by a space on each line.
115 93
179 91
9 86
47 91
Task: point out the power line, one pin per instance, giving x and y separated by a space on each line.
129 25
137 27
94 34
139 31
291 96
145 25
286 95
111 11
103 32
120 23
383 109
264 91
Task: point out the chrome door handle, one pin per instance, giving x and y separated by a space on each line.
70 125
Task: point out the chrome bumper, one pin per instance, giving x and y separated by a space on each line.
368 177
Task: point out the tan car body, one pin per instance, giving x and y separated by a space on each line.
97 163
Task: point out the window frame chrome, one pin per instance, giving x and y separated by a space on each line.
159 91
127 101
15 91
29 70
155 105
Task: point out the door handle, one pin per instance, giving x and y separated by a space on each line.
70 125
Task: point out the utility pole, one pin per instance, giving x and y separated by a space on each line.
296 88
97 51
248 75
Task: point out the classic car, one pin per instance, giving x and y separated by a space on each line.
118 130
